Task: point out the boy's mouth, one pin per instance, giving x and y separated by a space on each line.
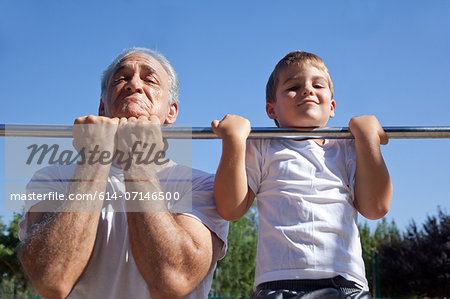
307 101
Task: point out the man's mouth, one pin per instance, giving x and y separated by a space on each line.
132 98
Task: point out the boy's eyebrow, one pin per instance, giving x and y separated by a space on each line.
293 78
320 78
289 79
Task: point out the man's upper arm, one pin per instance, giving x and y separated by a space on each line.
204 212
207 241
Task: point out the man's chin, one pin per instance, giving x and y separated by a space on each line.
132 113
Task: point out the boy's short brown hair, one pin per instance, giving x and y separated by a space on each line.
293 58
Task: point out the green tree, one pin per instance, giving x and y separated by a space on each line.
419 263
13 282
384 232
9 244
235 274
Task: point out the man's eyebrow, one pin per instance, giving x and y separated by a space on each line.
143 66
118 69
149 68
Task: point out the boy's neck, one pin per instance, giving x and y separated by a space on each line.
318 141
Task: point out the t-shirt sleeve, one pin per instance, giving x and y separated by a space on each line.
253 160
351 164
204 207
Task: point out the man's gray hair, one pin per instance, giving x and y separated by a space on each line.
173 79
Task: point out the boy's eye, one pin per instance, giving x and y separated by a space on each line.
293 88
318 86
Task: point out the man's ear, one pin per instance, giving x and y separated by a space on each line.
172 115
270 110
101 108
333 107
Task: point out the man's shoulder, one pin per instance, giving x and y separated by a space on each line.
197 176
54 172
201 175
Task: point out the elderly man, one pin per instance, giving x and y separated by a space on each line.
109 253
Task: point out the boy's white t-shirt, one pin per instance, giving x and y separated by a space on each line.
307 221
112 271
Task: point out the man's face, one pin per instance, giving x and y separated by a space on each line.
139 87
303 98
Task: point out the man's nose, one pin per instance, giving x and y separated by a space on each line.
135 85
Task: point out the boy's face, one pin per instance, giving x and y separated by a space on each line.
303 98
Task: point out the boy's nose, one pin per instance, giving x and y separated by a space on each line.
307 90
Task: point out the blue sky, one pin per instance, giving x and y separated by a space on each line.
387 58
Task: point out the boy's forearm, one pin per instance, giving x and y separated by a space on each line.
373 187
231 190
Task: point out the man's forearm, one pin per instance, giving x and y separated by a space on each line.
60 243
57 251
173 252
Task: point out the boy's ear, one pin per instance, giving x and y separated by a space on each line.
270 110
101 108
172 114
333 107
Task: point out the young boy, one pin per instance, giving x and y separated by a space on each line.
308 190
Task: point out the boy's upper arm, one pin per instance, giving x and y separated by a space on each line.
351 166
249 198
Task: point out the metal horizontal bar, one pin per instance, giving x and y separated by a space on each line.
256 132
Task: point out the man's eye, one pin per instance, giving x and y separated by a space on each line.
119 79
150 80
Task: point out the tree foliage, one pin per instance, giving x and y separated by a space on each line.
235 274
13 282
370 246
419 263
415 263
